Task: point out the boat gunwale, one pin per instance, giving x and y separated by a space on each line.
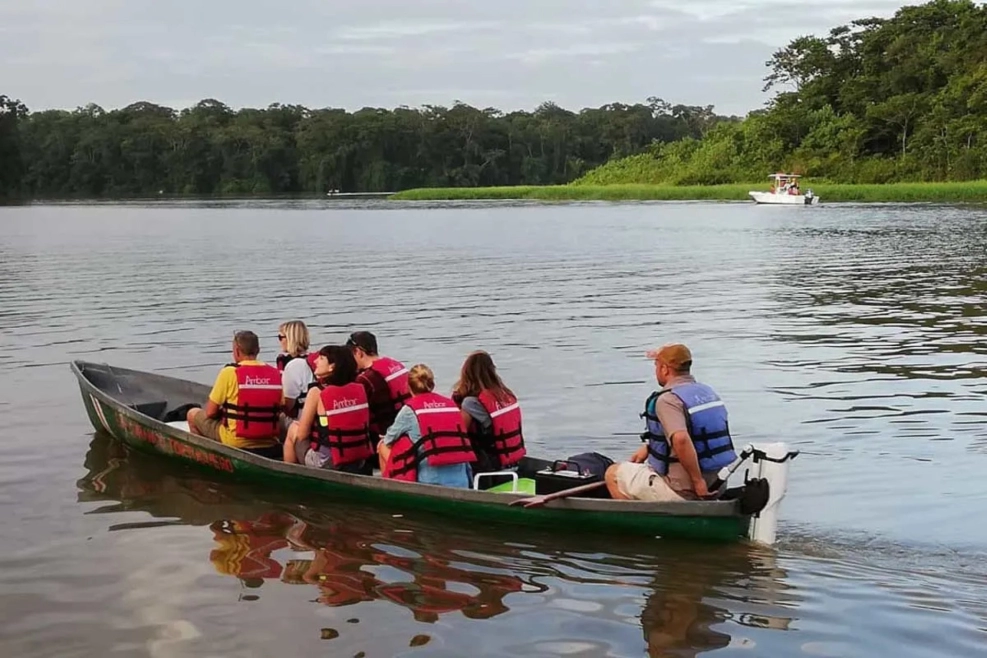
684 509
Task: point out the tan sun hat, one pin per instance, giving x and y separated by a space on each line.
675 355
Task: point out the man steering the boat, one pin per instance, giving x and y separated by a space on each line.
687 440
244 405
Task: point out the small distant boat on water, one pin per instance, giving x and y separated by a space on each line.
146 411
785 191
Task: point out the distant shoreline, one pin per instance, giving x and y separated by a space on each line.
953 192
965 192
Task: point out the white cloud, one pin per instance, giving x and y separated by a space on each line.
396 30
538 55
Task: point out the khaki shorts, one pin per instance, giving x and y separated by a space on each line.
205 426
639 482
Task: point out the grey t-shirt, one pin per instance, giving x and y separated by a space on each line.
475 408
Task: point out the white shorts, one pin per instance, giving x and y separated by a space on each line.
640 482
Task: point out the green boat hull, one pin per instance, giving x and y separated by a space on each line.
114 403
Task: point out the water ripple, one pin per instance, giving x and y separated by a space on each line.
855 333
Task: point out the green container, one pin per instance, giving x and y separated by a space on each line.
524 485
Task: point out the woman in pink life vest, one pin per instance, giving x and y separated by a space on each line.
491 414
333 428
427 442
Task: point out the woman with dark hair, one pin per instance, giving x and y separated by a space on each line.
333 428
491 412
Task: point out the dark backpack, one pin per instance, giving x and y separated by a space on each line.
592 462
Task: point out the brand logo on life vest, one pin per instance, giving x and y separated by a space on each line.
256 381
435 405
704 399
344 403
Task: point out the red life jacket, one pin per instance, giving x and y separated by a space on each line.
342 582
444 440
508 441
395 376
347 433
285 359
258 402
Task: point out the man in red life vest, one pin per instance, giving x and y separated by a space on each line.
384 379
245 402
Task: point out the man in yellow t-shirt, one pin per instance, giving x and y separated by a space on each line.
215 422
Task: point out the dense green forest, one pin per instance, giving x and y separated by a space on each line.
211 149
875 101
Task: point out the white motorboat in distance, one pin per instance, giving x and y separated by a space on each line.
785 191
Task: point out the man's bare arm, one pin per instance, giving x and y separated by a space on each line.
686 454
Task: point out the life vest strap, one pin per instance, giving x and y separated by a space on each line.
647 436
712 452
647 404
247 414
705 453
344 439
360 431
666 459
411 458
502 438
405 466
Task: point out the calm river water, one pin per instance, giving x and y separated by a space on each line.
856 333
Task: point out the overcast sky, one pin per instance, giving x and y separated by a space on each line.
509 54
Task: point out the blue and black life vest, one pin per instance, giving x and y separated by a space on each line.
707 424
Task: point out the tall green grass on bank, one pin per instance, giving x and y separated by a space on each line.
968 192
576 193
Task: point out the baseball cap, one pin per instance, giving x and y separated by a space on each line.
675 355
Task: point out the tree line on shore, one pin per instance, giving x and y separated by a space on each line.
147 149
875 101
901 99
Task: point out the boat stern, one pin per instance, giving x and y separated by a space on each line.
770 463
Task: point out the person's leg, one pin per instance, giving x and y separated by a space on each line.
199 423
190 419
284 424
611 479
638 482
294 449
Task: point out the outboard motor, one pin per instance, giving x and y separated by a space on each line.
771 461
765 485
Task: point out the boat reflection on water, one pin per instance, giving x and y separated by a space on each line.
345 553
344 562
687 598
699 597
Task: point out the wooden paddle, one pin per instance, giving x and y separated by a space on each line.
536 501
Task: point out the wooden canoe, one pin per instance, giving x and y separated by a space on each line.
132 407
